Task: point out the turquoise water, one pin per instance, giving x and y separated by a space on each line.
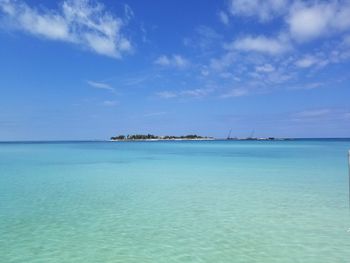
217 201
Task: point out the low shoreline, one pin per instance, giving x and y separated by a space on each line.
155 140
199 139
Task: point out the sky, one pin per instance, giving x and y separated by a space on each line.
79 69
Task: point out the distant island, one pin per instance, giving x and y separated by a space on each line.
193 137
151 137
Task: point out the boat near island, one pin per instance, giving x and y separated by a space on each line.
252 138
258 139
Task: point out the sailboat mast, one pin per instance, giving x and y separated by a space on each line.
252 133
229 134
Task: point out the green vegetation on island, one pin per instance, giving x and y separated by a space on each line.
154 137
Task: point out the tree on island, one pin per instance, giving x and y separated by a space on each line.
120 137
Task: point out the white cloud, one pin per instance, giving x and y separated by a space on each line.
166 94
129 14
229 75
319 60
306 62
174 61
154 114
179 61
265 68
110 103
265 10
307 22
224 18
189 93
204 39
81 22
163 61
196 93
308 86
342 19
313 113
261 44
346 40
278 77
326 115
100 85
223 62
207 37
205 72
235 93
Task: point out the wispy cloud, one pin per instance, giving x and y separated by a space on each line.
204 40
261 44
313 113
223 62
155 114
224 18
188 93
110 103
265 10
80 22
306 62
346 40
176 60
196 93
166 94
307 86
100 85
265 68
322 114
234 93
310 60
129 14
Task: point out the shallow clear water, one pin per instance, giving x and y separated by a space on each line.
217 201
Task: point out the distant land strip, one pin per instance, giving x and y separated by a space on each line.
193 137
151 137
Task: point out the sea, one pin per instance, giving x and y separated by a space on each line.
175 201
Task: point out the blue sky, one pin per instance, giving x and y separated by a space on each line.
80 69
